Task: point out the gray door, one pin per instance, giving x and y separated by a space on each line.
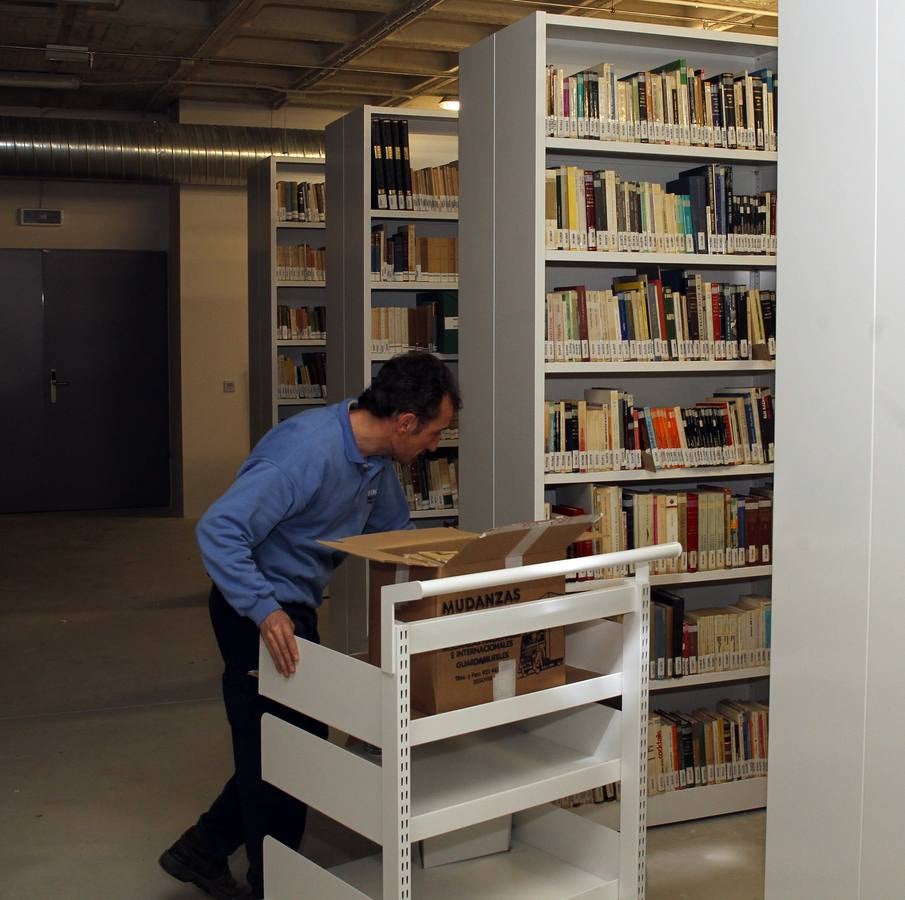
101 409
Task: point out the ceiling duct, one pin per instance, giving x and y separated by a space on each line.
165 153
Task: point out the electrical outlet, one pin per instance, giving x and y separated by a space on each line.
229 386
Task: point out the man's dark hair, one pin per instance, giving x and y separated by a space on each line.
413 382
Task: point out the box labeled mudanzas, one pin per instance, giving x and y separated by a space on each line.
456 677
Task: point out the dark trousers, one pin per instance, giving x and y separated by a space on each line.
247 807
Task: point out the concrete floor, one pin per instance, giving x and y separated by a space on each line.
112 736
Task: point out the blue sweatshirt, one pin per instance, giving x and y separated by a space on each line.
305 481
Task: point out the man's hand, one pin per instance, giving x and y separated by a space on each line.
278 632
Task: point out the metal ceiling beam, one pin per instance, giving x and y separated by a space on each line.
367 41
214 39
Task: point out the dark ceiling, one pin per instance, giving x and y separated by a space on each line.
143 55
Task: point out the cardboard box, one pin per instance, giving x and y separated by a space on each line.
457 677
493 836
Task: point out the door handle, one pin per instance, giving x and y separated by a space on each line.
54 384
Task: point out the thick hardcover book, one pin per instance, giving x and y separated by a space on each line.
447 318
406 167
389 164
677 605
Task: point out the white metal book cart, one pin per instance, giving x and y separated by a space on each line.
444 772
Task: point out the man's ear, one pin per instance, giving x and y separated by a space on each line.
406 422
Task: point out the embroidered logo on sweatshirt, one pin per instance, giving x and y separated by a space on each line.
372 495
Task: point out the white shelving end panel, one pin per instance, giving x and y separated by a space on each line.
328 686
633 743
703 472
687 681
433 513
488 624
339 784
568 838
512 709
289 873
524 873
477 777
689 260
437 215
593 147
742 573
680 367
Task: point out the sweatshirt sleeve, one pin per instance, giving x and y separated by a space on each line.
259 499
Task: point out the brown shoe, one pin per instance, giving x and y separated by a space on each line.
186 863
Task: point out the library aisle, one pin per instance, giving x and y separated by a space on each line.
115 737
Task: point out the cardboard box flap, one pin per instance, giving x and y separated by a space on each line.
402 547
549 538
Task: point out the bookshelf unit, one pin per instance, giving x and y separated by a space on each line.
352 292
511 756
506 271
267 291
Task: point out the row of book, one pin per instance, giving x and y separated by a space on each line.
606 432
698 212
404 256
451 432
395 185
714 639
677 317
299 323
301 262
301 201
430 482
304 379
432 324
671 104
687 750
719 530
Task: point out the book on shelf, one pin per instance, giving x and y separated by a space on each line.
302 379
301 201
395 185
451 432
719 530
707 640
693 749
443 313
301 262
403 256
698 212
397 329
295 323
671 104
648 318
606 432
707 746
430 482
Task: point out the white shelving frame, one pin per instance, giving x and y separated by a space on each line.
350 291
264 288
513 755
506 271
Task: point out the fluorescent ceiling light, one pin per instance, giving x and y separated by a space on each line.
67 53
451 103
49 80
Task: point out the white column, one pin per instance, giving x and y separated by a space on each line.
837 718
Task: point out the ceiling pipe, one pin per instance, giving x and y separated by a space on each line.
162 153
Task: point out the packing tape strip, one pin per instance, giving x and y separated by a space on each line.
516 557
504 680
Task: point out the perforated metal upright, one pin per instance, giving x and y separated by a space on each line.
441 773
